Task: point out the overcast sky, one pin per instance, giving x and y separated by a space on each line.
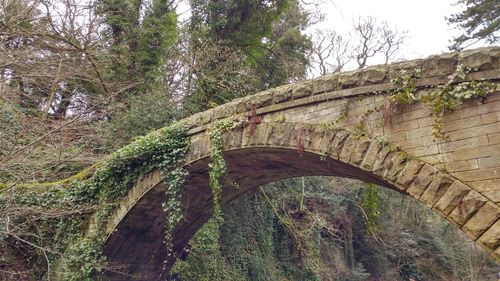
428 31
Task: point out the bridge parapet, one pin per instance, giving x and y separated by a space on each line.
372 80
472 152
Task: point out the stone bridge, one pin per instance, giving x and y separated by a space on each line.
335 125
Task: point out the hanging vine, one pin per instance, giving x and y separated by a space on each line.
218 167
443 98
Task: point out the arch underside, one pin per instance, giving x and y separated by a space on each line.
136 247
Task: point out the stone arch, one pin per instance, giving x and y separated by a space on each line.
259 154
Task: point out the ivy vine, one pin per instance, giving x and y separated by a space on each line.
218 167
371 202
443 98
96 193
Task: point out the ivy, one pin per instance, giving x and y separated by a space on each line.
371 202
405 83
450 96
218 165
172 206
98 194
443 98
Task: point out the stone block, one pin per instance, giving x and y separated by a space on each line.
458 166
395 165
476 141
467 207
440 65
436 189
328 138
233 138
477 152
479 175
374 75
348 149
409 173
260 134
383 158
494 138
276 134
360 151
327 83
288 136
491 238
336 146
477 59
482 220
348 79
489 162
317 136
301 90
451 198
371 156
282 94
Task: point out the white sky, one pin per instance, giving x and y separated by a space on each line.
428 31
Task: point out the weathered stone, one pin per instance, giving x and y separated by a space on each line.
325 83
308 137
338 142
373 75
383 158
327 141
233 138
348 79
476 59
276 135
451 198
282 94
482 220
409 173
491 238
260 134
422 181
360 151
436 189
467 207
286 138
396 68
317 138
262 99
247 136
301 90
440 65
395 166
348 149
371 156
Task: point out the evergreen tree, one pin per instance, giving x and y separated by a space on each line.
480 20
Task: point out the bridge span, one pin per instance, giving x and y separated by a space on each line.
336 125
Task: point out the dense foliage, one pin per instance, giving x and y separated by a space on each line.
80 79
321 229
43 222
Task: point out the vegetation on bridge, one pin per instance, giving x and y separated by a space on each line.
80 79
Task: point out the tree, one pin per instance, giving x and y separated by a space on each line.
369 39
235 48
480 20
